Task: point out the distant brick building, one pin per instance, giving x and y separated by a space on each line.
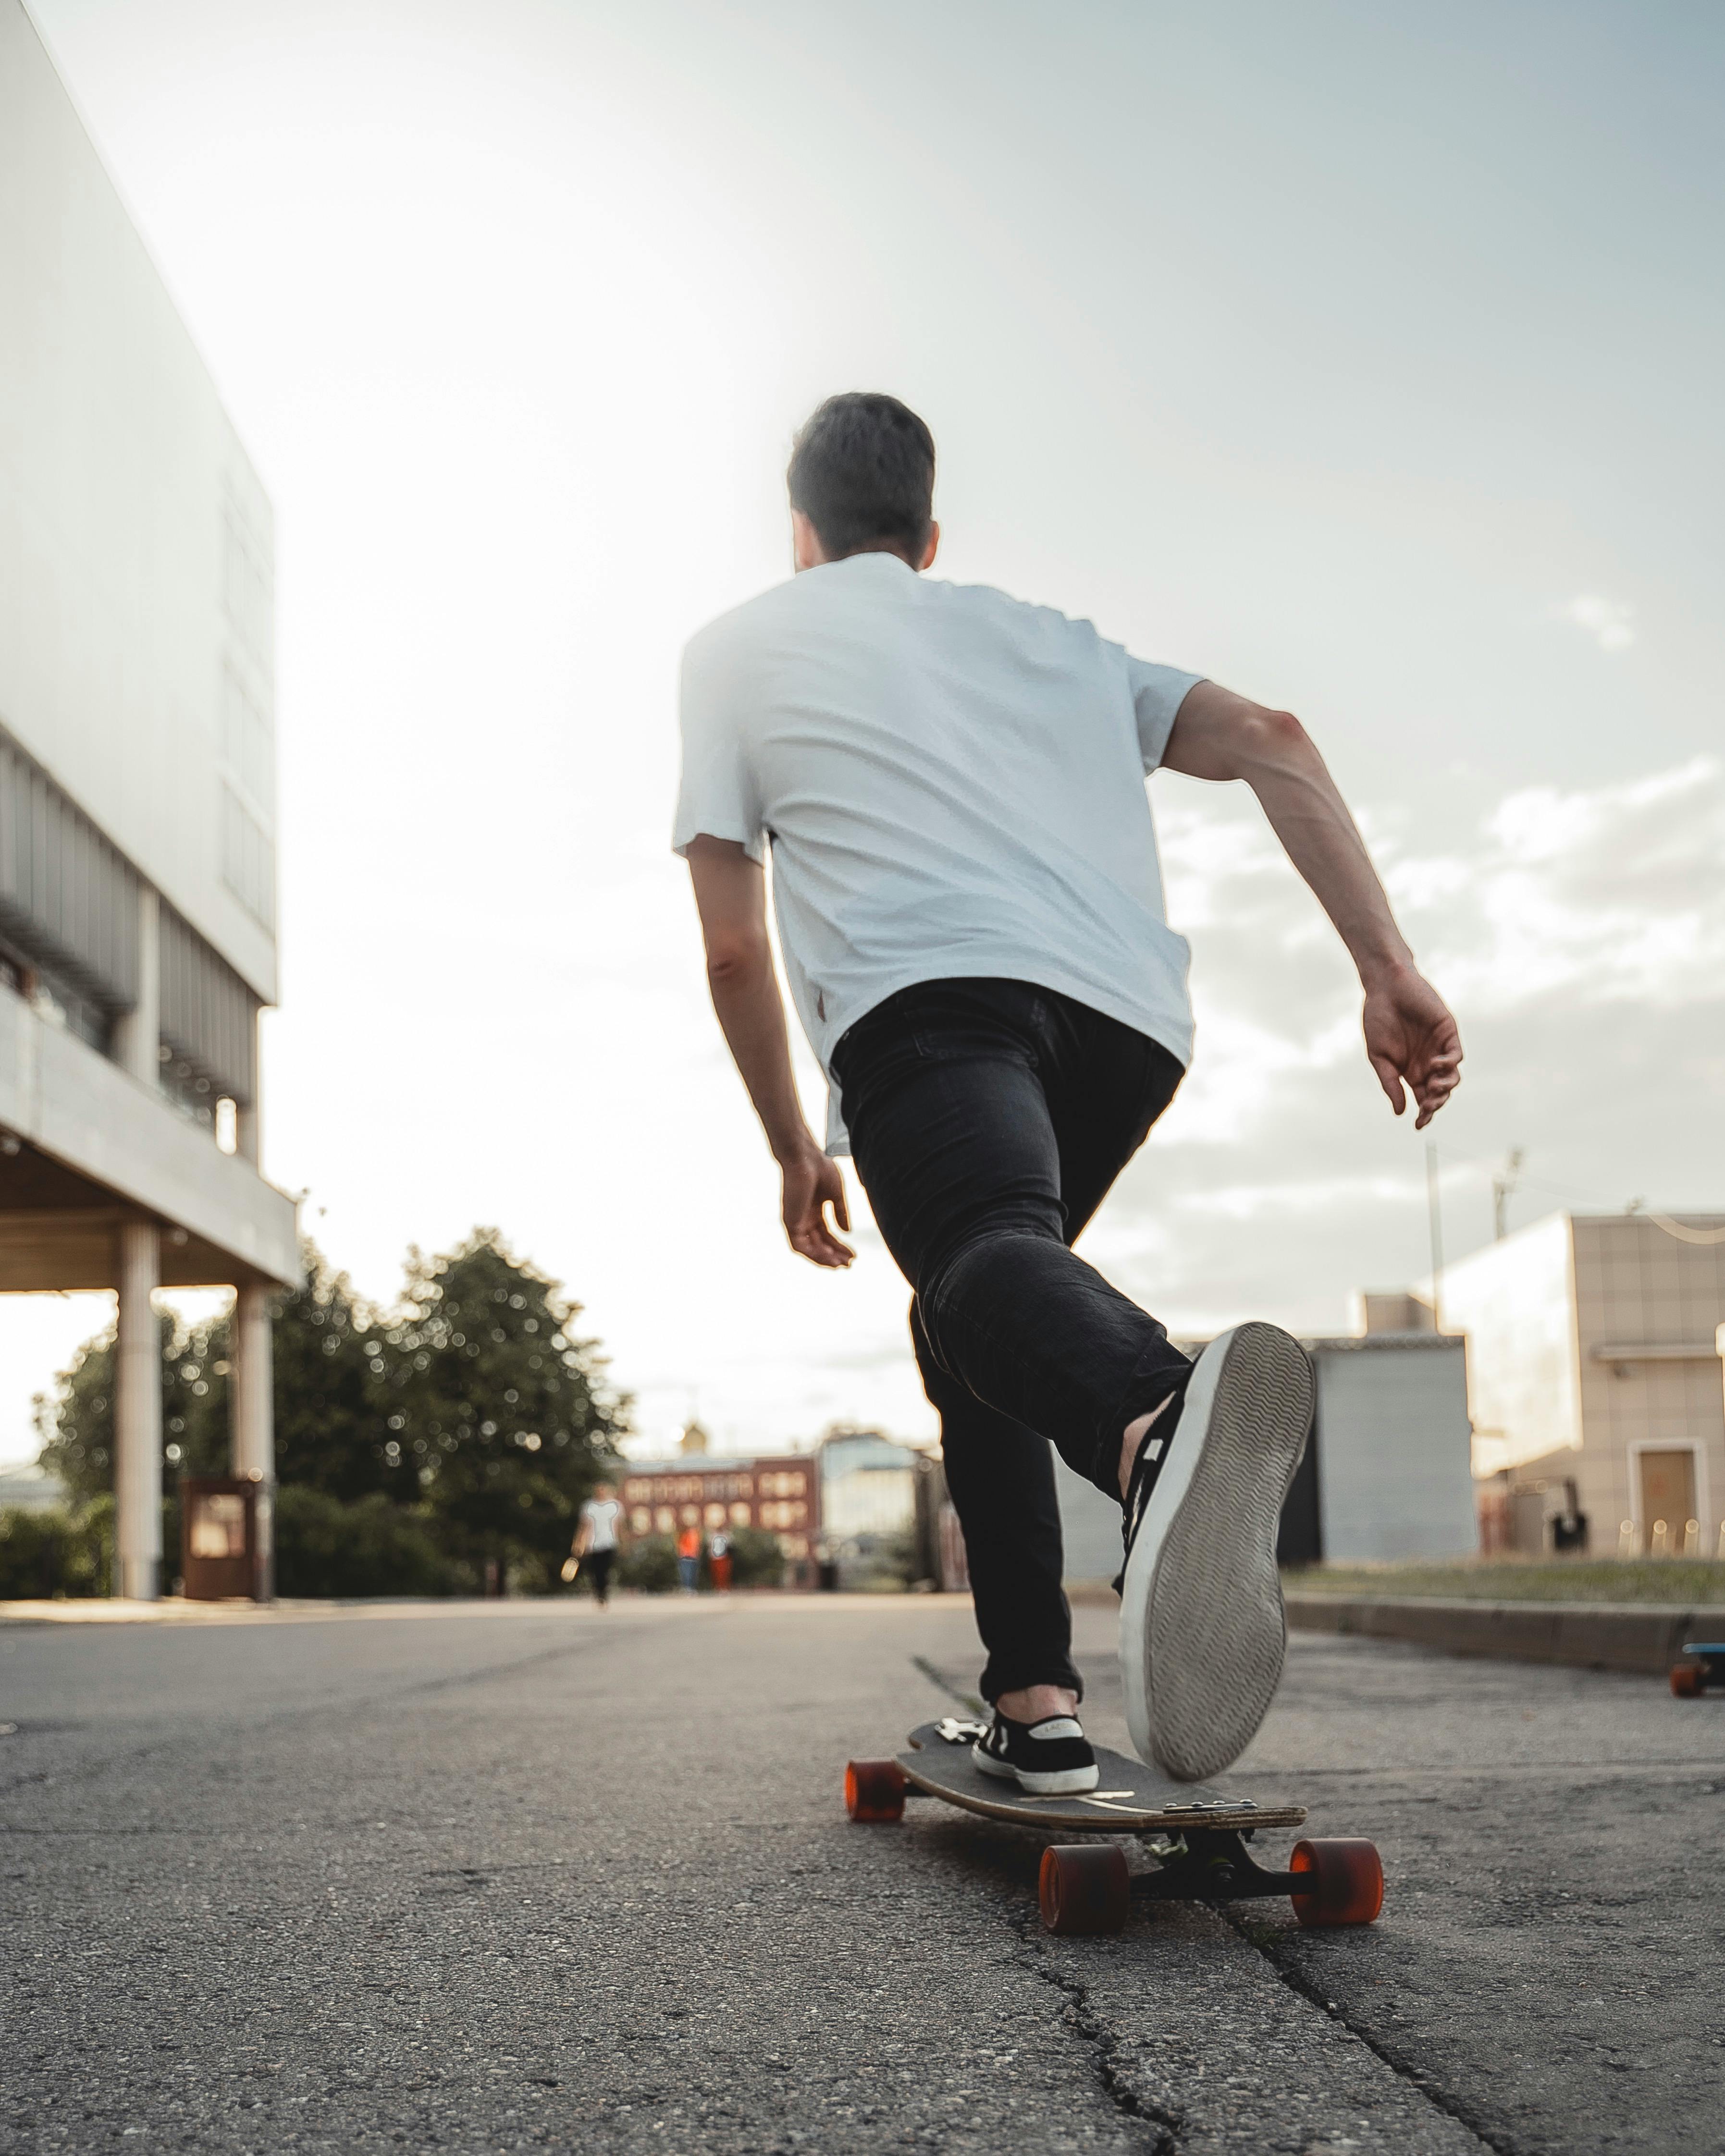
780 1493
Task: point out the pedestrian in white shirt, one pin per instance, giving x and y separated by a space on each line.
596 1539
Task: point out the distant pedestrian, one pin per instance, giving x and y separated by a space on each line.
718 1559
688 1559
595 1544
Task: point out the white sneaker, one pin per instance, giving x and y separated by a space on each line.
1202 1629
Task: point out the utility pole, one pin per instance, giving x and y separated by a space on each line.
1435 1217
1503 1189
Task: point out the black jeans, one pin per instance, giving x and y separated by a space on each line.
988 1119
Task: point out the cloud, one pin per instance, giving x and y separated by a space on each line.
1580 938
1608 621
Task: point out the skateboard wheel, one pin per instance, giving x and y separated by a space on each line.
1347 1881
1083 1888
1686 1680
875 1791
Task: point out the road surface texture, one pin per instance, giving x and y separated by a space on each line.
542 1877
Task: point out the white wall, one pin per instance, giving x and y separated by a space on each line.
1394 1474
1090 1526
1515 1301
136 542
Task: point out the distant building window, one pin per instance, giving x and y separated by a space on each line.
739 1515
247 860
640 1519
665 1519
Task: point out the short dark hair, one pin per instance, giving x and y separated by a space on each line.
862 472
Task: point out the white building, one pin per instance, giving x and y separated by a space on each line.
1386 1472
137 886
1594 1358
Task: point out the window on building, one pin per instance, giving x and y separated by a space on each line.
739 1514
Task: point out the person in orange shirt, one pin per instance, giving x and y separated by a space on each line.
689 1559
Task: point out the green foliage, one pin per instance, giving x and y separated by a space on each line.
756 1557
332 1358
1680 1582
62 1550
497 1408
464 1432
77 1423
370 1547
649 1564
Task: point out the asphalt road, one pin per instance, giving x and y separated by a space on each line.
539 1878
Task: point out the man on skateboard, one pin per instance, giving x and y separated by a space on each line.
950 784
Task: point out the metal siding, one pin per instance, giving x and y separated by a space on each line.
67 897
209 1015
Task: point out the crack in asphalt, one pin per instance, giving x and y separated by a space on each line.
1303 1986
1104 2044
1100 2040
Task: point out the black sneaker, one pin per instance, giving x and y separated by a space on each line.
1050 1758
1202 1632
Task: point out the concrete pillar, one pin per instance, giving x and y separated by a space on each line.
137 1418
251 1389
137 1032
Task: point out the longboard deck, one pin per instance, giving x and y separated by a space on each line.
1129 1798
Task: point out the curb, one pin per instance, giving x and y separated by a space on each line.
1642 1639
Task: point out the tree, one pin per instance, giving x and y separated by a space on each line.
500 1410
332 1356
76 1421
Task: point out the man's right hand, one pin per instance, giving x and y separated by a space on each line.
1411 1035
812 1183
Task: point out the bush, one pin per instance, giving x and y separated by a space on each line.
756 1558
649 1564
62 1550
370 1547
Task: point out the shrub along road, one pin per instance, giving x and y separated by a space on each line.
532 1876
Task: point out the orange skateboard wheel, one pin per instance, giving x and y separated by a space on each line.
1347 1880
1083 1888
875 1791
1685 1680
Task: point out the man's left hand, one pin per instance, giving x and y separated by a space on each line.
1411 1037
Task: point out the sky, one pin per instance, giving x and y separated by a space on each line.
1363 356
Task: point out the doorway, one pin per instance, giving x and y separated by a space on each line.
1667 1498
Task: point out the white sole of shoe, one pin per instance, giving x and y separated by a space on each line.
1202 1633
1071 1781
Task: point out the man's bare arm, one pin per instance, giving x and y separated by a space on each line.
1411 1035
731 896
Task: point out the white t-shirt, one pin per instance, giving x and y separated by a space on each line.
598 1516
952 783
